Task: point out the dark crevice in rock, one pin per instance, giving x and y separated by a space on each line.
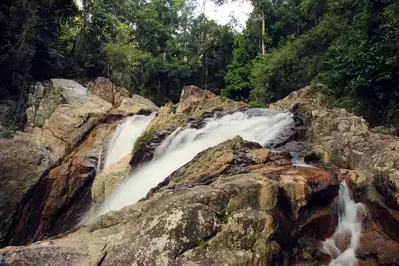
283 226
146 150
367 256
66 218
384 187
29 218
292 139
308 252
10 238
317 222
102 259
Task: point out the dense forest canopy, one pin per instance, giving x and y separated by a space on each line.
349 49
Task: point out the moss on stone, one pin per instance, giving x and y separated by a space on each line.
58 95
204 244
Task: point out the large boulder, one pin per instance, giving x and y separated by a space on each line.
62 196
137 104
341 139
71 121
235 208
106 90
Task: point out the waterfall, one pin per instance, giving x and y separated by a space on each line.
342 245
182 145
124 137
100 155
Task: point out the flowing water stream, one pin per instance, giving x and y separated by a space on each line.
124 137
342 245
182 145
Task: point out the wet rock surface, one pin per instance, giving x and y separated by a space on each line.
62 196
108 180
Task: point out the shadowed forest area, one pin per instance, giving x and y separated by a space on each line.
347 49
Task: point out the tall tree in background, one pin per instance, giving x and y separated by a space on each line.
152 47
30 41
156 47
30 47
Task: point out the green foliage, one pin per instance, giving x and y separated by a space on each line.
389 130
239 71
204 244
156 47
30 47
350 46
124 63
142 140
153 47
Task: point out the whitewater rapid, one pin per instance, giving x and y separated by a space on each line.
124 137
350 221
258 125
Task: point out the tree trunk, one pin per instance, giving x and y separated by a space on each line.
206 71
263 31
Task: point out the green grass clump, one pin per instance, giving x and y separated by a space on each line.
143 139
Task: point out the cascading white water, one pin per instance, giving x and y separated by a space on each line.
124 137
182 145
342 245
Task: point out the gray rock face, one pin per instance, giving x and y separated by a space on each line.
137 104
43 99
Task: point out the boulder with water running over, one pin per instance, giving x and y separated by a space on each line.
232 204
194 107
342 139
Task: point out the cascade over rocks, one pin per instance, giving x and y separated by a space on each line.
342 139
194 106
62 196
236 203
243 204
47 171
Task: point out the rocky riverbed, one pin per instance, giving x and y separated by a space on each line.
236 202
